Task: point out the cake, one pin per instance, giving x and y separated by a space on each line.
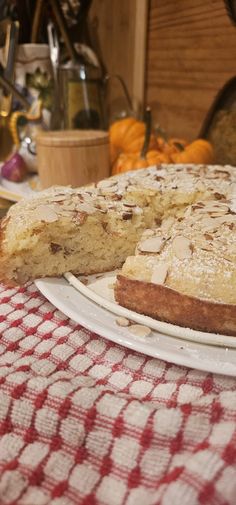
97 228
184 272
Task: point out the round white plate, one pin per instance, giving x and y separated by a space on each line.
158 345
99 288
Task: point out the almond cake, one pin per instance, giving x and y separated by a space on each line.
184 272
97 228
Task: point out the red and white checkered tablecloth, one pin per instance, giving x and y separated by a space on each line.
84 421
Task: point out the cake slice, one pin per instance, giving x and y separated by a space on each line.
184 272
95 228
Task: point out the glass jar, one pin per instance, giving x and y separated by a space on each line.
82 100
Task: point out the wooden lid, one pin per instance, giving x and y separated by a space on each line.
64 138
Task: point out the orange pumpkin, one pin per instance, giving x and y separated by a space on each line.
173 145
133 161
199 151
133 146
127 135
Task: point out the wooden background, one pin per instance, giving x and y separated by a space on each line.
191 54
119 33
173 54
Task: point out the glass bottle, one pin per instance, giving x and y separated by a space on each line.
83 81
82 96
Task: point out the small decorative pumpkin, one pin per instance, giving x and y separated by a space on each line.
127 135
134 146
147 157
133 161
171 146
199 151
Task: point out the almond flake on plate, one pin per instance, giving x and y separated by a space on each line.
139 330
122 321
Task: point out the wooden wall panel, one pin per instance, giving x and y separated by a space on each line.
191 53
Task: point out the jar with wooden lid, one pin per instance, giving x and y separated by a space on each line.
72 157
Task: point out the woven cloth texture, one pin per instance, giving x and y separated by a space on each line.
84 421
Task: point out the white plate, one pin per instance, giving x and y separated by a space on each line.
99 288
158 345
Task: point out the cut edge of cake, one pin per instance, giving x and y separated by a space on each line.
166 304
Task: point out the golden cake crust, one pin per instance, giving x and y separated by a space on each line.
166 304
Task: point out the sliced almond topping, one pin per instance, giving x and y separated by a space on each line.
182 247
228 218
198 205
69 206
137 211
86 207
129 204
152 245
233 189
148 233
208 223
87 197
59 198
46 213
218 214
217 207
139 330
122 321
159 273
168 223
202 171
107 190
232 206
200 186
106 183
188 212
222 174
66 213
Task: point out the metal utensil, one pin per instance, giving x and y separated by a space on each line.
54 56
60 20
10 47
10 88
7 74
37 20
54 49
